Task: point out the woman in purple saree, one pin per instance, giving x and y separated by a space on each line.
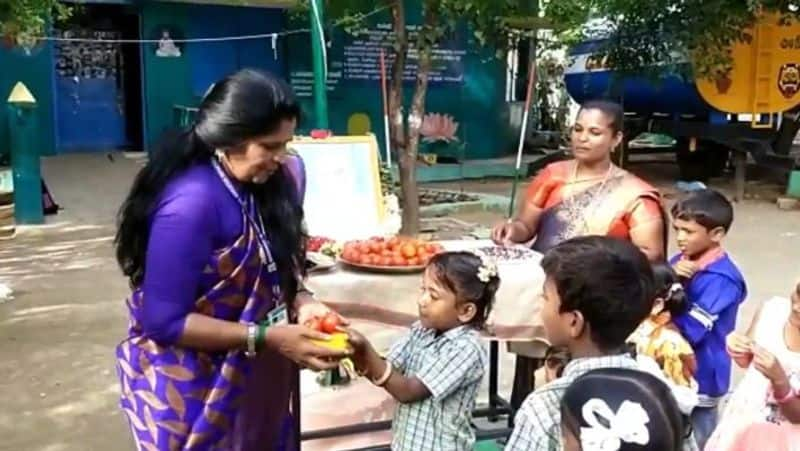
212 241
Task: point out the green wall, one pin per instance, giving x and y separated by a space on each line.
166 80
36 72
182 81
476 103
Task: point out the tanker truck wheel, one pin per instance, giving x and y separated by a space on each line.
709 160
690 164
717 158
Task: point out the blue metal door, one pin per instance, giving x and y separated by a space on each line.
89 95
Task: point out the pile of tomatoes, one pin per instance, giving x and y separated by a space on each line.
396 251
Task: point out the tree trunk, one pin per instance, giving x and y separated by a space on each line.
400 49
408 158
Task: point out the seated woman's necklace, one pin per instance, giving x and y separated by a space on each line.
580 209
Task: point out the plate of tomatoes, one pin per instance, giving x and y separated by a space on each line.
392 255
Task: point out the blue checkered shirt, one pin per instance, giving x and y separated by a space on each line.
537 426
451 366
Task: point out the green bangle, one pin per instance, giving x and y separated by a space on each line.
261 334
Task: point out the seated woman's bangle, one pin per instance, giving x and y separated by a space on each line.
521 224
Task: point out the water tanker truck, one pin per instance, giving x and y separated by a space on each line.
754 109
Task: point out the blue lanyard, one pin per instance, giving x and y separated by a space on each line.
251 212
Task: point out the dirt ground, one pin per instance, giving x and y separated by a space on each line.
57 336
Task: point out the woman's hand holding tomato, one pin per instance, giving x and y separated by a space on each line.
312 315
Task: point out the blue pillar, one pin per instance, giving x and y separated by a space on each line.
25 158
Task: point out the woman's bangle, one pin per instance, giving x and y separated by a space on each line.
387 373
261 336
252 332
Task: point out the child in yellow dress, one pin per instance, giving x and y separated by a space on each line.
658 338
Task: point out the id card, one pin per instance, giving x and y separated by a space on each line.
277 315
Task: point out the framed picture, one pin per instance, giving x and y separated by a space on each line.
166 47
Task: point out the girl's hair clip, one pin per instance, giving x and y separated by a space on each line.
674 288
487 269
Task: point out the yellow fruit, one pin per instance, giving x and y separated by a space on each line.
337 342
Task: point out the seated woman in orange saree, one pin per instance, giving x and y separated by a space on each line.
587 195
617 204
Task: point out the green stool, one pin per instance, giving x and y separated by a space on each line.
487 445
793 189
183 115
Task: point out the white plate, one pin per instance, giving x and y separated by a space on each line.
321 261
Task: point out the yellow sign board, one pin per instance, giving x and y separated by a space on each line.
765 77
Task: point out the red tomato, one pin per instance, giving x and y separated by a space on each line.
364 248
353 256
413 262
398 260
386 261
330 323
408 250
376 247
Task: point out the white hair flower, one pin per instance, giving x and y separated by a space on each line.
627 425
487 270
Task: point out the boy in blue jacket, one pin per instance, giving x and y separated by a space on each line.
715 289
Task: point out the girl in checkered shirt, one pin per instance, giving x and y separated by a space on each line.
436 369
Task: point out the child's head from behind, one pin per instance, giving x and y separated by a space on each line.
458 288
670 295
597 290
701 220
623 409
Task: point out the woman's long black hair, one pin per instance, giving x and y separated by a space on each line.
245 105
